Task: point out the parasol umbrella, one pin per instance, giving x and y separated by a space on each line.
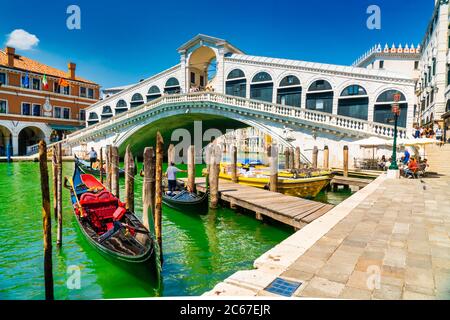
415 142
372 142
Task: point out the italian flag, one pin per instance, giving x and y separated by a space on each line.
44 82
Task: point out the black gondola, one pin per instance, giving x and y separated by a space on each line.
85 167
185 201
109 227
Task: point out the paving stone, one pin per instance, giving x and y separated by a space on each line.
387 292
419 277
418 260
297 274
359 280
322 288
355 294
336 272
408 295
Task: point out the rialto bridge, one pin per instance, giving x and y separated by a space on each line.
297 103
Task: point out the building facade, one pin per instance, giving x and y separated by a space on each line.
39 102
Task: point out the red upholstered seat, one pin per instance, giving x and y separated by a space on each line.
100 206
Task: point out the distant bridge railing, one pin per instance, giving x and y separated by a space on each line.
286 112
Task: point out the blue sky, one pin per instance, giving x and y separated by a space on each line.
122 42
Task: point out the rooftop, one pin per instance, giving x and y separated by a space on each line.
30 65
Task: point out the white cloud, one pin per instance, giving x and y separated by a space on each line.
22 40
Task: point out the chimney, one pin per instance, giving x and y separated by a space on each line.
10 52
72 66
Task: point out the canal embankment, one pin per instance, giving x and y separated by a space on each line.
273 263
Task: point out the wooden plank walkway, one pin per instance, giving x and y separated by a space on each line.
350 181
292 211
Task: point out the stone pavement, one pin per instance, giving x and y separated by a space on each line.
394 245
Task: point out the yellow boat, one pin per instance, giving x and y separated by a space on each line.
305 187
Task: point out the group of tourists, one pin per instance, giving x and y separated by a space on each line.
409 165
421 132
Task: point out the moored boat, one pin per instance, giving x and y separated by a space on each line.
185 201
108 226
305 184
85 167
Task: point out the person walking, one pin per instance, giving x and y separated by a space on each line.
439 134
92 156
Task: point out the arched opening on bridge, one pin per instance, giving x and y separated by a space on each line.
5 141
136 100
354 102
236 84
290 92
153 93
107 113
184 129
383 108
320 96
202 68
121 106
29 136
172 86
261 87
92 119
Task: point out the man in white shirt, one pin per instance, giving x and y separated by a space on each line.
92 156
171 174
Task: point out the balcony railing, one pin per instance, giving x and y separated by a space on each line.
266 108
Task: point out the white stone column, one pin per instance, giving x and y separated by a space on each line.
15 144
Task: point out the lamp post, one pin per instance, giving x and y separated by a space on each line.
396 112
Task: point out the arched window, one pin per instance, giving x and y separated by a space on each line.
262 87
382 112
121 106
106 113
172 86
92 119
136 100
153 93
236 84
320 96
290 92
354 102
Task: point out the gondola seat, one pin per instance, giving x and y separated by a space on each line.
100 207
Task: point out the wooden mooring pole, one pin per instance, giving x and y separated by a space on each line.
55 181
108 167
129 179
46 221
286 158
214 168
148 186
59 194
115 171
314 157
191 168
171 154
326 158
272 153
159 190
297 160
101 165
234 177
291 158
345 161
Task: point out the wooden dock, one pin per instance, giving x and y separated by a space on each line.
289 210
349 181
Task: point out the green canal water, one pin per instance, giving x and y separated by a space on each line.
199 251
